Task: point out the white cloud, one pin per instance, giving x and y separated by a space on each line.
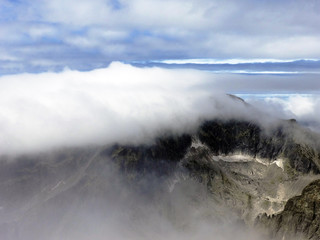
120 103
76 12
302 107
157 29
39 31
127 104
225 61
288 47
297 105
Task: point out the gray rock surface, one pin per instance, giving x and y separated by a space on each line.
235 168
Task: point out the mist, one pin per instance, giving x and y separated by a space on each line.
110 114
118 104
302 107
130 105
104 203
55 126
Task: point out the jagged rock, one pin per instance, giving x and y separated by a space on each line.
272 168
248 138
300 217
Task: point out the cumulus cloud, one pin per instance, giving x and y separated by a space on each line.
302 107
128 104
119 103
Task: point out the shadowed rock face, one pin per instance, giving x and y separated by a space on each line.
246 185
248 138
236 164
300 217
225 138
159 158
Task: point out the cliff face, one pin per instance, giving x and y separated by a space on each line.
243 168
248 138
300 217
227 138
232 166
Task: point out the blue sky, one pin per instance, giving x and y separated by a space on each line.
38 35
58 85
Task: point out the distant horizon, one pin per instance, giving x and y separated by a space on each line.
38 36
232 65
84 66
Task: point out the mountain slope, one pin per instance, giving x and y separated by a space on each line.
300 217
226 171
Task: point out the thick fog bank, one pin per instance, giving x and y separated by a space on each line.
123 104
118 104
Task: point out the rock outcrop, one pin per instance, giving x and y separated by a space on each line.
239 167
300 218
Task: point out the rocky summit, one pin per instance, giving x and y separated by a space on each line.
227 172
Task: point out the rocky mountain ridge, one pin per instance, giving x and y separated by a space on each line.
240 168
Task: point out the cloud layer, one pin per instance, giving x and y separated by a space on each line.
40 35
119 103
303 107
127 104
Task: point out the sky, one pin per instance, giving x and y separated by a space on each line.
77 73
105 71
38 35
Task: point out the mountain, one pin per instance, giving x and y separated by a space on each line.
299 219
227 173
